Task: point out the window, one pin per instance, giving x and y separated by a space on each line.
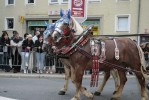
53 1
9 23
9 2
29 2
57 1
123 23
64 1
122 0
94 0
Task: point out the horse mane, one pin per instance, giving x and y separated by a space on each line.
76 26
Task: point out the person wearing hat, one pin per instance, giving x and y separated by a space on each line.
27 46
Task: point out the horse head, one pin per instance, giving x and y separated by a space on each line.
48 31
65 29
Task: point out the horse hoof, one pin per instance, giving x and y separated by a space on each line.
115 98
91 97
85 88
114 92
147 86
61 92
75 98
97 93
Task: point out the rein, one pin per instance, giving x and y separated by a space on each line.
105 62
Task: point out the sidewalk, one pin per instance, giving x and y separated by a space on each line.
34 75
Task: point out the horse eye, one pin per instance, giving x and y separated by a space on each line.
66 24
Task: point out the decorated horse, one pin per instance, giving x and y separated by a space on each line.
67 68
122 54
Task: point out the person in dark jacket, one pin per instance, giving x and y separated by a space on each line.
27 46
40 54
5 42
146 54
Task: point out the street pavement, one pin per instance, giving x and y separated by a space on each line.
38 87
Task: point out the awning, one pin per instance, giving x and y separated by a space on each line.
86 23
37 23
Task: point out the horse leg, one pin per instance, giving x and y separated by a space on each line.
141 80
114 73
86 93
67 76
115 76
100 88
123 80
78 75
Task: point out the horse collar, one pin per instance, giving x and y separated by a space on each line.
71 49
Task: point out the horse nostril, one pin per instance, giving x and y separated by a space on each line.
55 38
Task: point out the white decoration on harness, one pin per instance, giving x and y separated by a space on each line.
103 54
116 51
94 48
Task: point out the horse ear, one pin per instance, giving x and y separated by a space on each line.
61 13
46 23
53 26
69 14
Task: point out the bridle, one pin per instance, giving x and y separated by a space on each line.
63 33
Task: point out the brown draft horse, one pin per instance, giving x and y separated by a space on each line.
131 56
68 73
107 73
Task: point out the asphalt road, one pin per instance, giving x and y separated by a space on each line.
47 89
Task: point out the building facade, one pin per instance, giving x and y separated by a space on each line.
109 16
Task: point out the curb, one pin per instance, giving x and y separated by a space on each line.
56 76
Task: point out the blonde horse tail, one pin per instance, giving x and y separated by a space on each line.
142 60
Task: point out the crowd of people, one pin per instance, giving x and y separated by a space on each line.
26 54
145 48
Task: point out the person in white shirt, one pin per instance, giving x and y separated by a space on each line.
35 36
16 44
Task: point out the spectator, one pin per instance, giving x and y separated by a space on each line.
16 43
146 54
34 56
27 46
25 36
49 60
14 33
22 56
36 36
1 52
59 66
40 54
5 42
